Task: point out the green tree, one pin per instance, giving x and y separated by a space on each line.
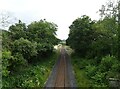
106 37
25 47
6 56
17 31
81 35
112 10
6 41
44 33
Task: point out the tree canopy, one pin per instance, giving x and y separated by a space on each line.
27 44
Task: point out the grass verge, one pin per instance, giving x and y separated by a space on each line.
81 78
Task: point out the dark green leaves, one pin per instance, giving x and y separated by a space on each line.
81 34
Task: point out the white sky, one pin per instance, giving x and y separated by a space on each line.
61 12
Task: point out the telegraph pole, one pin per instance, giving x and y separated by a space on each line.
119 30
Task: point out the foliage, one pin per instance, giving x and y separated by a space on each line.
112 10
88 74
81 33
95 39
35 40
80 75
106 38
17 31
42 31
24 46
100 44
106 63
6 42
6 56
31 76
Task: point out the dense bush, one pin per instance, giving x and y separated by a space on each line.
95 42
31 76
31 42
107 63
96 75
24 46
6 56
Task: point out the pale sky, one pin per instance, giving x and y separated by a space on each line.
61 12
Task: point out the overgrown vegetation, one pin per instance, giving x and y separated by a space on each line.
28 56
96 45
89 73
26 53
34 75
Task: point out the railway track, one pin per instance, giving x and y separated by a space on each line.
62 75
